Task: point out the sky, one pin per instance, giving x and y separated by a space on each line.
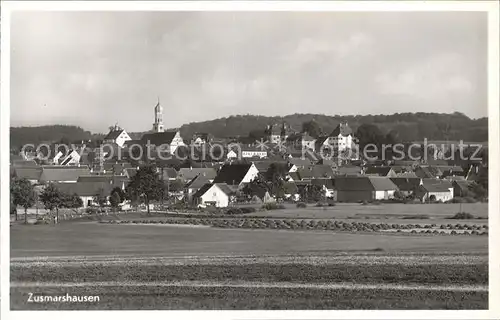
95 69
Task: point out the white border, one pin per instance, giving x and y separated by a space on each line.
492 7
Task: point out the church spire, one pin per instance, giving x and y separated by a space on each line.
158 124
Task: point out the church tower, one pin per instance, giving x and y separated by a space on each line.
158 124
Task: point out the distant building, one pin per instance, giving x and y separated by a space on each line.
276 133
356 189
435 190
237 174
171 140
117 135
201 139
158 124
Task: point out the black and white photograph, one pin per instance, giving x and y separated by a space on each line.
193 159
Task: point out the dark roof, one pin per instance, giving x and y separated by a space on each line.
159 138
406 184
197 182
364 184
462 184
316 172
232 174
112 179
380 171
113 134
64 173
168 173
435 185
342 129
24 163
85 189
28 173
189 173
349 170
299 162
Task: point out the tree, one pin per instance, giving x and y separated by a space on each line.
101 197
146 185
370 134
52 198
22 194
115 199
72 201
312 128
257 187
275 176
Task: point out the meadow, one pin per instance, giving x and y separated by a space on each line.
164 266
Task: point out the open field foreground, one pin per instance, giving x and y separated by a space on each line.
171 267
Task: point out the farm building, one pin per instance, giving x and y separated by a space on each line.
434 190
355 189
213 194
380 172
407 186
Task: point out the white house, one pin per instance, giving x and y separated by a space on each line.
341 138
172 139
213 194
117 135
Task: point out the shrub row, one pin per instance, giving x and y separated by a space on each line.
293 224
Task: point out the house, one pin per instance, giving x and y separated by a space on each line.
69 174
201 139
276 133
236 174
301 141
349 170
327 186
380 172
113 180
32 174
341 138
435 190
188 174
167 140
462 188
118 168
407 186
316 172
427 172
117 135
87 191
213 194
195 184
356 189
299 163
168 174
242 152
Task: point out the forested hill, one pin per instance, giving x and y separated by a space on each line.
410 126
20 136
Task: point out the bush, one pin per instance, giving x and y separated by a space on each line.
301 205
248 210
419 216
233 211
321 204
463 216
273 206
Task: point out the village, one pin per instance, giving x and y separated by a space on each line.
207 171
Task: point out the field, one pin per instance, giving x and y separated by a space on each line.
161 266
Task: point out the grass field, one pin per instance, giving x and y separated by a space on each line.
172 267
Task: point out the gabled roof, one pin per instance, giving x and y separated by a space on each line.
197 182
435 185
342 129
85 189
113 134
222 186
299 162
111 179
190 173
316 172
24 163
168 173
63 173
380 171
464 185
406 184
159 138
349 170
232 174
33 173
364 184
